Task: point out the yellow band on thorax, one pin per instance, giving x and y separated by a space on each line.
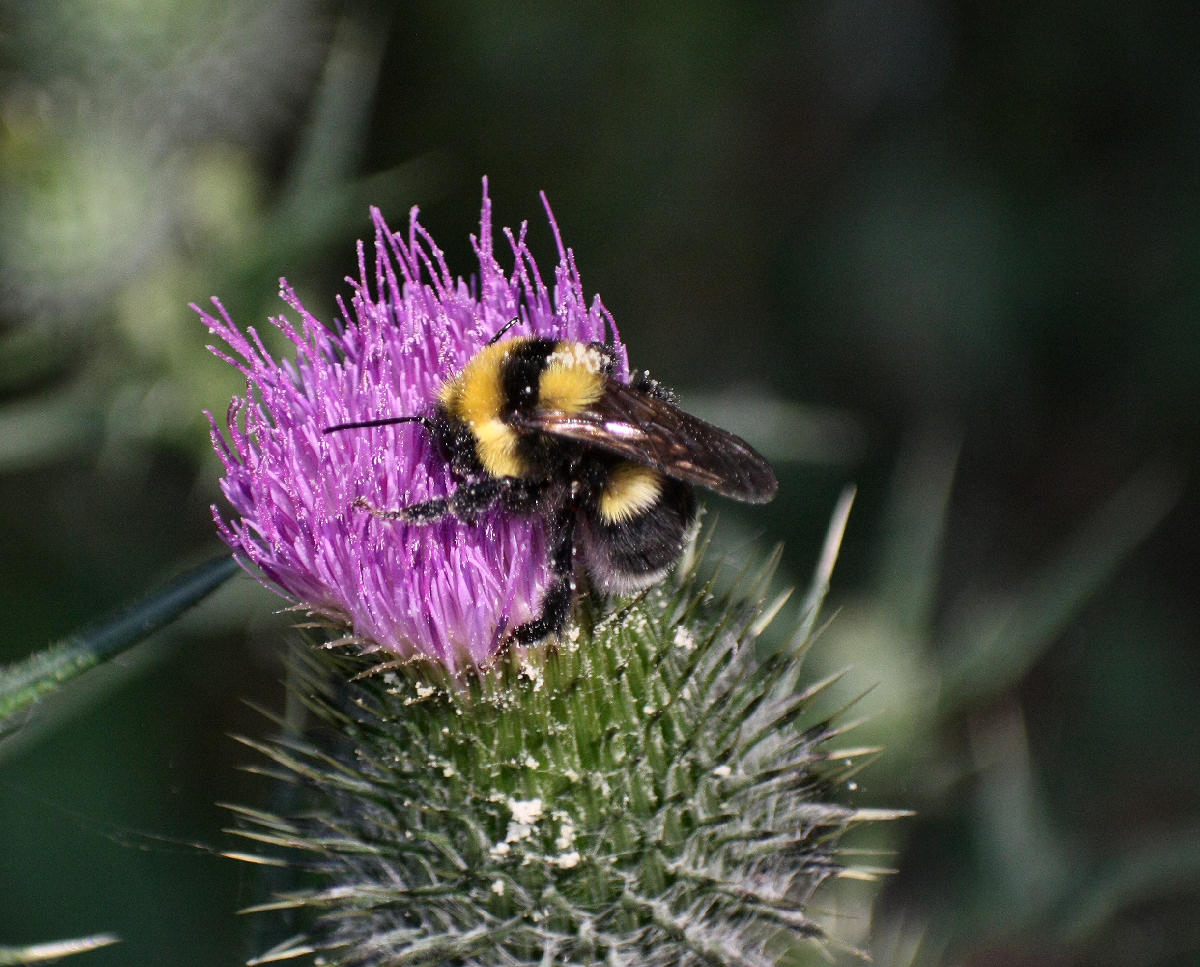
573 379
476 398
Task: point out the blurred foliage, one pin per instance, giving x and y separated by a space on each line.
948 251
24 683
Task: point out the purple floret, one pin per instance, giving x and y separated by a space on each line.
446 590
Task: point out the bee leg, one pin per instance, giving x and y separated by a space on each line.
466 503
556 601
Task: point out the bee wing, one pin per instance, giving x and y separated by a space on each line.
648 430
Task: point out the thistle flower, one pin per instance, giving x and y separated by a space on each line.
445 591
651 793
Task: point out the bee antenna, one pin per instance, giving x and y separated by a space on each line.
503 329
382 421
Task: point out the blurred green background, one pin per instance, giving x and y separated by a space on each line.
947 251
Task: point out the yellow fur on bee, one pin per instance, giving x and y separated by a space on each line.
629 490
573 378
476 396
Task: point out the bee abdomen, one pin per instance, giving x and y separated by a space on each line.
636 550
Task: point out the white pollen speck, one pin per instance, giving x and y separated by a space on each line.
722 772
567 861
577 355
534 675
517 832
425 691
684 638
499 851
498 887
566 837
531 763
448 772
526 811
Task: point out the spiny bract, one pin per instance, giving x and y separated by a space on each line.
652 794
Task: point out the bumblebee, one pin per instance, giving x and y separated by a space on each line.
542 427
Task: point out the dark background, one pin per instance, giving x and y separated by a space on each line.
947 251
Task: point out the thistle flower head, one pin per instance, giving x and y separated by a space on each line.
448 590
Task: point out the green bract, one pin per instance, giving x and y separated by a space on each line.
652 794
